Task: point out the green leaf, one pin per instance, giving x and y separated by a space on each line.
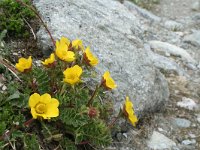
96 132
17 134
3 34
2 127
31 142
72 117
13 96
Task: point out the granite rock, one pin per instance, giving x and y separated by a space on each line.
106 26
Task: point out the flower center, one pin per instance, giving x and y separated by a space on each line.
40 108
72 76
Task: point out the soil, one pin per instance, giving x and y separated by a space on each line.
25 46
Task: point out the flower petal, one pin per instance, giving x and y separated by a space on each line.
33 112
52 108
34 99
19 67
64 40
70 56
45 98
78 70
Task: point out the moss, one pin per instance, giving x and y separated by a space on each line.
147 4
12 17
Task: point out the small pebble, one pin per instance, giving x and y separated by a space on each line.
187 103
189 142
192 135
125 135
4 88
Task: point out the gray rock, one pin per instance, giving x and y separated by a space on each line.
196 6
141 11
188 142
198 118
159 141
106 27
163 47
173 25
193 38
181 123
187 103
164 64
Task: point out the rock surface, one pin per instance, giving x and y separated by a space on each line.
172 49
181 122
116 33
108 28
173 25
159 141
193 38
196 6
187 103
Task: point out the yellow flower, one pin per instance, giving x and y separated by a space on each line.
62 50
43 106
49 61
108 82
24 64
90 58
77 44
129 112
72 75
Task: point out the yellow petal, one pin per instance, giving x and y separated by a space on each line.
70 56
33 112
78 70
45 98
93 61
110 83
129 110
49 60
77 43
64 40
44 116
29 61
19 67
52 108
57 43
72 75
133 119
106 75
34 99
71 81
23 64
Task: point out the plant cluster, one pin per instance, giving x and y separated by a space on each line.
147 4
55 103
13 16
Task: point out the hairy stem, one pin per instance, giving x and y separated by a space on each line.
93 96
37 14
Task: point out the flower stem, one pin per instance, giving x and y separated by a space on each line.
113 122
37 14
115 119
93 96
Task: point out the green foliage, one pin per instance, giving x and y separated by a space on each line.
12 16
43 80
31 142
4 49
94 131
81 121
